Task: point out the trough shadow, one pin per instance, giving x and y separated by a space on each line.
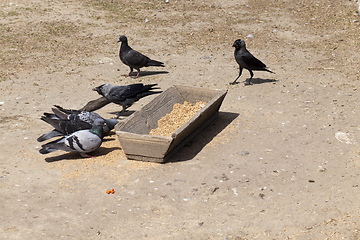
194 146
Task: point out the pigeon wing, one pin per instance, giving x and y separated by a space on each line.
83 141
135 59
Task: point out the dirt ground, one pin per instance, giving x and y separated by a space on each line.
281 161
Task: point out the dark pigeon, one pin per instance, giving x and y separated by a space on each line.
67 121
246 60
134 59
83 141
125 95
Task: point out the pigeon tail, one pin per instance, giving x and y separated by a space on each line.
154 63
53 146
59 113
51 134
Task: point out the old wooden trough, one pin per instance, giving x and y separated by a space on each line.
133 133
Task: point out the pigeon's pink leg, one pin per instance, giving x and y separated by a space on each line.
129 74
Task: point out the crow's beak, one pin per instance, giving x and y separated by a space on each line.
95 89
118 41
233 45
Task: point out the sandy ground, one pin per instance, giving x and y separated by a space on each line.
280 162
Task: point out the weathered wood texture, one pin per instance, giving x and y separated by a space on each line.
133 132
95 104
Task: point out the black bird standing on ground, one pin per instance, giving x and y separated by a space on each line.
246 60
125 95
134 59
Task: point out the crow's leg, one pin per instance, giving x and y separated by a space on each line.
123 110
241 68
248 82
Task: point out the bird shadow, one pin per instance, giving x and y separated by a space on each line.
127 113
148 73
256 81
260 80
194 146
76 156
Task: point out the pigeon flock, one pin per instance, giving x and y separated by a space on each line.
83 131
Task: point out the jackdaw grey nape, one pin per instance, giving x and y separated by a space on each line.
246 60
134 59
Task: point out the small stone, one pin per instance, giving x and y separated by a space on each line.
244 153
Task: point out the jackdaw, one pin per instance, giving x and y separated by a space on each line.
125 95
246 60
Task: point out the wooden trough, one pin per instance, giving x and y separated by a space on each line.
133 132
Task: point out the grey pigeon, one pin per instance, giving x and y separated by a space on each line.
134 59
67 121
83 141
125 95
246 60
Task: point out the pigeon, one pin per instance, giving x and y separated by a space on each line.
67 121
125 95
83 141
134 59
246 60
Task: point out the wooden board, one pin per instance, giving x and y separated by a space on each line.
133 133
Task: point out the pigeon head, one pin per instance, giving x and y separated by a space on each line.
97 127
122 39
110 124
239 44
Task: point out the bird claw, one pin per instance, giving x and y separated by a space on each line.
233 83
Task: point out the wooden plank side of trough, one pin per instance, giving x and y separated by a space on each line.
144 158
171 153
196 94
198 119
151 146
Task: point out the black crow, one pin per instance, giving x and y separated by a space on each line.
125 95
246 60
